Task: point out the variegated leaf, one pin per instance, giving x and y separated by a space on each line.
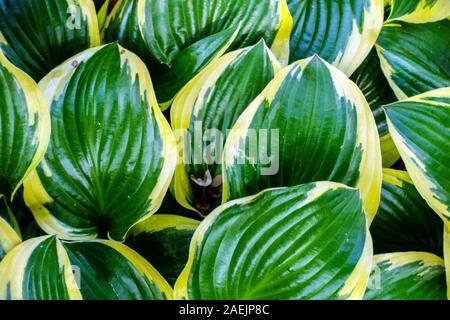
407 276
413 46
420 128
110 159
39 35
419 11
341 32
191 34
311 123
24 127
370 79
277 245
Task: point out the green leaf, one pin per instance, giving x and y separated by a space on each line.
193 33
164 240
47 268
110 159
419 11
208 106
122 24
310 124
341 32
24 126
420 128
407 276
370 79
404 221
189 62
304 242
39 35
415 56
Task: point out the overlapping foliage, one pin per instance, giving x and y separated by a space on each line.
248 149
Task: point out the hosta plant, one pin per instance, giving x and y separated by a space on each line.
214 149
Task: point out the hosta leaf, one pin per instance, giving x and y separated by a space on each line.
407 276
179 38
419 11
370 79
200 17
164 240
39 35
122 24
420 127
414 55
313 124
278 245
208 106
341 32
9 233
404 221
110 159
47 268
24 126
